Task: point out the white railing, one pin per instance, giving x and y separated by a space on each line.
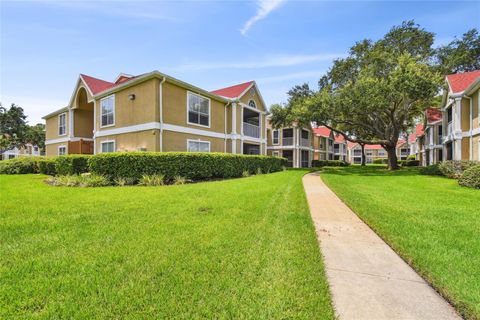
287 141
251 130
305 142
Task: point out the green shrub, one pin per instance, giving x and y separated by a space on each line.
47 166
22 165
192 166
71 164
454 168
431 170
412 163
245 174
75 180
471 177
412 157
179 180
329 163
152 180
124 181
380 161
402 162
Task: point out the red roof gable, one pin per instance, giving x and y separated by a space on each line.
419 130
412 137
322 131
339 138
96 85
433 114
460 81
233 91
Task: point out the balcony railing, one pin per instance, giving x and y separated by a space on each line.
251 130
305 142
287 141
449 128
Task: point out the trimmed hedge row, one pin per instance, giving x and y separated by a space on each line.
21 165
71 164
471 177
431 170
454 168
329 163
194 166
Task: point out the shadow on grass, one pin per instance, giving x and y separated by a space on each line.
371 171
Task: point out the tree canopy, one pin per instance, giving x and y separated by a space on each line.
460 55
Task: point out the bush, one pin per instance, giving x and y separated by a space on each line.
411 163
84 180
124 181
71 164
152 180
47 166
431 170
454 169
21 165
329 163
179 180
402 162
412 157
471 177
380 161
192 166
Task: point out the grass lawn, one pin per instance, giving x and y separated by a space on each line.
243 248
433 223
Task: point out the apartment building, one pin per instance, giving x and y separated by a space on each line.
156 112
432 138
372 152
25 151
461 120
323 143
295 143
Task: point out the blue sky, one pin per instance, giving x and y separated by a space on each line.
211 44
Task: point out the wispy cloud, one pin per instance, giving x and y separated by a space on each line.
266 62
291 76
263 10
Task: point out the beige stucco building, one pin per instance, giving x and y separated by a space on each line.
156 112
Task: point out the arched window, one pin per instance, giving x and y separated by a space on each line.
252 104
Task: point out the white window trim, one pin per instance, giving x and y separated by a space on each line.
62 146
201 141
209 110
101 115
276 153
108 141
278 138
59 116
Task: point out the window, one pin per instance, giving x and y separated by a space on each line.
108 146
108 111
275 136
381 152
198 109
304 134
252 104
62 124
369 152
198 146
35 149
62 150
275 153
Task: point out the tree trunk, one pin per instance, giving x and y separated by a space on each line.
392 158
363 154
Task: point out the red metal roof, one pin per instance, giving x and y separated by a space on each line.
419 130
433 114
412 137
96 85
233 91
367 146
339 138
460 81
322 131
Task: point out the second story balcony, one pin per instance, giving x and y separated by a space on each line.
305 142
251 130
251 123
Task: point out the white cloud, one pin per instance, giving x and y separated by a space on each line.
266 62
35 108
263 10
291 76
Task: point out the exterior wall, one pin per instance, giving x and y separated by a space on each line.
149 140
128 112
465 115
52 127
51 150
175 141
83 123
476 109
248 96
465 148
476 148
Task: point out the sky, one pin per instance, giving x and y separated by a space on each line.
45 45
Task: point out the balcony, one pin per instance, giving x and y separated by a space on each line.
305 142
449 128
251 130
80 147
287 141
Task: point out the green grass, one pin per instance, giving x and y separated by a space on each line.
243 248
433 223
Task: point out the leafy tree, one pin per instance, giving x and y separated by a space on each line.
460 55
375 93
36 135
13 127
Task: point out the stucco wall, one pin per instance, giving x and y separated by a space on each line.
174 141
148 139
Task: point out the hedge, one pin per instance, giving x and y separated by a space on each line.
471 177
329 163
20 165
454 168
194 166
71 164
431 170
47 166
380 161
411 163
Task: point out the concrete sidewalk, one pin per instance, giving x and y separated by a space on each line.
368 280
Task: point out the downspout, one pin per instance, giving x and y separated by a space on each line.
225 127
161 113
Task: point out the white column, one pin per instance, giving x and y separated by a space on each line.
457 129
234 128
94 126
70 123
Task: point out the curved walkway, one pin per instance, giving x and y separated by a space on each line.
368 280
